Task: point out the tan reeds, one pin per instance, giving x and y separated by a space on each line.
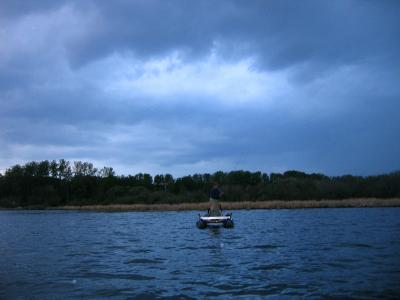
272 204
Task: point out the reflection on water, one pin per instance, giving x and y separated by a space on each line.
215 230
313 253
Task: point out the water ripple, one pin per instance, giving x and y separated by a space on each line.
270 267
295 254
117 276
354 245
145 261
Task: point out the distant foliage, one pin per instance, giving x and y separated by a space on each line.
55 183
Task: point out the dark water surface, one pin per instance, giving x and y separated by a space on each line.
309 253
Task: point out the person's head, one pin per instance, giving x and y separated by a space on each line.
215 184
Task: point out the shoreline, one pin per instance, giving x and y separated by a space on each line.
202 206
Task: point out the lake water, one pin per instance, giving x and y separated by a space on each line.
309 253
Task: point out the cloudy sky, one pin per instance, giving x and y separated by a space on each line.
199 86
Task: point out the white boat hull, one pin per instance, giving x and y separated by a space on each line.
215 221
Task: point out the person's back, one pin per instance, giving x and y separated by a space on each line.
215 196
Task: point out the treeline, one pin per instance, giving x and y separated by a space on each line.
55 183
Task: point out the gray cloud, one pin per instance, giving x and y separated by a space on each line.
63 93
280 33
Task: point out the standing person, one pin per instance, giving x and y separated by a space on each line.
215 196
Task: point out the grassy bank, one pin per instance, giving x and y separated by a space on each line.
277 204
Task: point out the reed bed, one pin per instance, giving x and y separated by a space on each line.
271 204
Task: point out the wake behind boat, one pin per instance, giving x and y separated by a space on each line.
215 221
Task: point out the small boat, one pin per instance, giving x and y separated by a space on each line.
215 221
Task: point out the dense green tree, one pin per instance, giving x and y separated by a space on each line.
42 184
107 172
53 167
84 169
64 169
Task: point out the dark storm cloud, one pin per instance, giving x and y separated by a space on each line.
248 137
279 33
340 59
15 8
